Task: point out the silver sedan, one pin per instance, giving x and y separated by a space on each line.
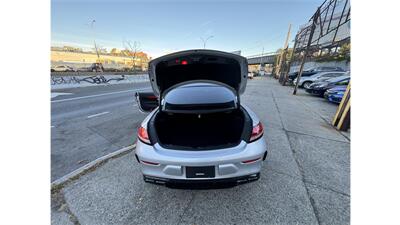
308 80
198 131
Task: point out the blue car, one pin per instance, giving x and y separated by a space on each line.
335 94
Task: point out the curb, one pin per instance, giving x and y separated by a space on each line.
60 182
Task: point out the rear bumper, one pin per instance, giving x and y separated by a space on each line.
201 184
334 99
170 165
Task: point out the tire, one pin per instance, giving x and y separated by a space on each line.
306 84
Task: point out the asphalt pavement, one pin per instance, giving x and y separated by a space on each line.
90 122
305 179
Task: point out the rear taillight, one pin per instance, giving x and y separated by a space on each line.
143 135
257 132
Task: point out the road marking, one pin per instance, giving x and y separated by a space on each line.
55 94
98 95
98 114
52 126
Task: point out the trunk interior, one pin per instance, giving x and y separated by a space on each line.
200 132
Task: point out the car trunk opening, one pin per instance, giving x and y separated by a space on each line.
199 105
200 132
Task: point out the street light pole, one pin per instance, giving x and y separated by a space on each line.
94 40
205 40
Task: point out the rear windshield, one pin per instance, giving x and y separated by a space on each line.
199 97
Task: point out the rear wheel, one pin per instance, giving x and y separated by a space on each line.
306 84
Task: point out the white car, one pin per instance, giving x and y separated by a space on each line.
305 82
63 69
198 131
250 75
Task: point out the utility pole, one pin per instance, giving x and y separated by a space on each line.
290 61
315 18
287 37
283 53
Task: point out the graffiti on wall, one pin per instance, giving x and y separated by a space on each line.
101 79
98 79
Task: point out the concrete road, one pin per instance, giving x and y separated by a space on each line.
89 122
305 179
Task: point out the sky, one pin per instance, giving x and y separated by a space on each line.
163 27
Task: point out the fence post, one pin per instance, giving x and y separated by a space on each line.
341 120
312 29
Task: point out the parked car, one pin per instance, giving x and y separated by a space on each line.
110 69
335 94
315 70
96 67
319 88
83 69
250 75
308 80
62 68
198 130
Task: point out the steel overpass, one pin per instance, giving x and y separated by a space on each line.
268 58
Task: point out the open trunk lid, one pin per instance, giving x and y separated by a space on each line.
208 65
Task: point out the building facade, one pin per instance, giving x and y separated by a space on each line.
114 59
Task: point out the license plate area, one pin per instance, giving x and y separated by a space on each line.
200 171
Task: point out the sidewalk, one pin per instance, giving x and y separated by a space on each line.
305 180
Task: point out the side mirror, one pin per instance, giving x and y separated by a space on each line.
146 101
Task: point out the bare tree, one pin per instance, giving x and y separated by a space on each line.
133 49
